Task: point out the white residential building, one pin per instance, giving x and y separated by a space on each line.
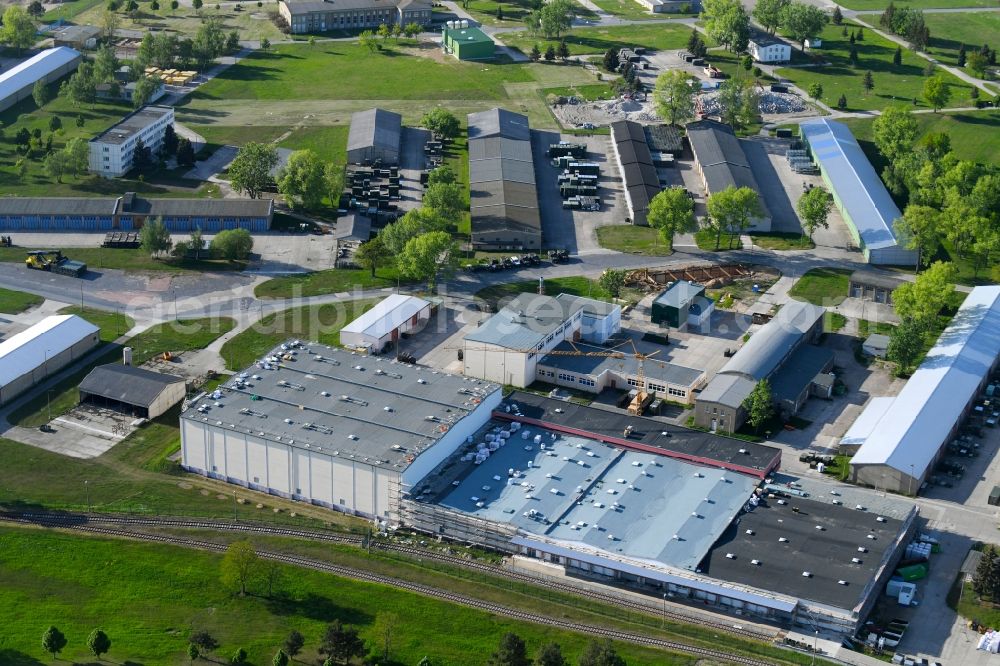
769 49
112 152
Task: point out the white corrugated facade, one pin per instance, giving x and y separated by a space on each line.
17 82
33 354
384 323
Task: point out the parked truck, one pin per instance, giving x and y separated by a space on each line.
55 262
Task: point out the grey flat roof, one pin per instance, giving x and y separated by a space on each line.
825 553
499 122
75 32
664 138
354 226
505 219
57 206
799 370
876 279
679 294
200 207
501 193
596 496
761 39
498 146
500 168
639 176
728 390
376 128
721 157
628 365
646 432
124 383
526 320
132 124
765 349
421 401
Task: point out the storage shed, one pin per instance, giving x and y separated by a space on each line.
374 136
386 322
467 43
673 307
42 350
123 388
873 286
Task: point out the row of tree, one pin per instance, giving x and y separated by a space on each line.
908 23
551 52
513 651
552 19
54 642
799 20
918 304
166 50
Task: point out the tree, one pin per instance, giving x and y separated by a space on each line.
550 54
80 120
802 21
155 5
671 212
897 57
239 657
55 124
442 174
210 42
21 169
236 245
442 121
759 404
18 29
154 238
197 4
920 301
197 242
673 96
837 17
41 93
80 88
554 18
250 171
852 57
611 61
185 152
334 176
110 22
131 8
77 153
814 208
397 31
105 64
551 654
372 254
367 40
55 165
411 30
511 652
302 181
239 565
562 50
727 22
986 581
977 64
174 4
53 641
141 156
265 44
732 210
961 56
768 13
920 229
294 643
894 132
98 642
868 83
384 31
193 651
905 343
816 91
739 102
429 256
22 137
446 200
534 54
169 148
612 281
861 34
233 42
280 659
937 92
341 643
270 571
385 628
35 9
144 89
600 654
205 641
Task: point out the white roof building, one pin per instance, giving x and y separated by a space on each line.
900 447
29 356
16 83
391 317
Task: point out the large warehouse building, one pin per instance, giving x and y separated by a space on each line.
901 438
130 212
48 66
779 352
502 192
635 163
335 428
721 164
374 136
33 354
668 510
865 204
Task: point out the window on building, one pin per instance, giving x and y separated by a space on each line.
657 388
587 382
632 381
256 479
678 392
566 377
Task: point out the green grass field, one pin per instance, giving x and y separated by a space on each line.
632 10
974 135
16 302
178 336
822 286
589 93
331 281
514 12
950 31
112 324
582 41
126 259
782 241
915 4
892 84
317 322
577 286
84 582
631 239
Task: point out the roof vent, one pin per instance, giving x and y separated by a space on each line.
358 367
862 549
743 450
782 540
807 574
856 560
750 532
730 556
859 507
820 528
387 408
756 563
325 394
871 536
421 381
880 519
352 437
841 582
288 421
782 502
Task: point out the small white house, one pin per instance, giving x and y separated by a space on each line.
769 49
386 322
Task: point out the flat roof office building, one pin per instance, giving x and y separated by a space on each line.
112 153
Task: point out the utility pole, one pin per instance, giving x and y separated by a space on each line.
86 484
235 507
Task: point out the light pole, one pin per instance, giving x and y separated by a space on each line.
48 404
235 507
86 484
815 642
663 621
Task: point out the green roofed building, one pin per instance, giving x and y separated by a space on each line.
468 43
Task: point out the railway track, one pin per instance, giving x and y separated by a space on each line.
425 590
74 521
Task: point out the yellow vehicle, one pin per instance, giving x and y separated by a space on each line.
53 260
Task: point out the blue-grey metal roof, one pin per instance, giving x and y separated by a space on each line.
721 158
679 294
498 122
525 321
498 146
627 365
375 128
728 390
910 432
798 372
859 189
766 348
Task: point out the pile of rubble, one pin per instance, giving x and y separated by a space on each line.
770 103
605 112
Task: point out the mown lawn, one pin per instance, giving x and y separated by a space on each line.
590 93
631 239
178 336
893 85
345 70
782 241
915 4
112 324
822 286
333 281
632 10
577 286
317 322
514 12
16 302
974 135
127 259
950 31
582 41
85 582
